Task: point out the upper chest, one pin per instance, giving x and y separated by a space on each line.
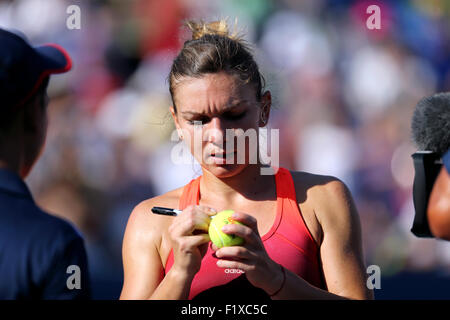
264 211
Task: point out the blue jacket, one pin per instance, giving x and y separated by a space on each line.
36 248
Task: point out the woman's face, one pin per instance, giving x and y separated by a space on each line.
210 112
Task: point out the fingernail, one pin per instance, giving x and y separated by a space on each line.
234 215
225 228
212 210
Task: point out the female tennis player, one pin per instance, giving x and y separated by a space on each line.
301 231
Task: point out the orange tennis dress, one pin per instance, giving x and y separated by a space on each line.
288 242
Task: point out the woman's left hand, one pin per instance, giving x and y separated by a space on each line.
251 257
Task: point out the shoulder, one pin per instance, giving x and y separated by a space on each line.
143 213
53 243
329 197
144 226
52 231
319 186
56 247
65 238
29 220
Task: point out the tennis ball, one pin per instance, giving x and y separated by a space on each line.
216 235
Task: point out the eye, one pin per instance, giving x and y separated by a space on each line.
232 116
203 120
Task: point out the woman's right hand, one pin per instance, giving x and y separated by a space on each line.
189 236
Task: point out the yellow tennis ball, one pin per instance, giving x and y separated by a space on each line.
216 235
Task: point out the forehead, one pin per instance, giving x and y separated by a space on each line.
212 92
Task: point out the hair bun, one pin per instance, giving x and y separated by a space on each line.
200 29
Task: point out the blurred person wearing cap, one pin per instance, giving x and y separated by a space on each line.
431 133
41 256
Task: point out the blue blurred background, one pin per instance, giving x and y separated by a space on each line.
343 98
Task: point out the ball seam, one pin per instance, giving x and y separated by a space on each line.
218 234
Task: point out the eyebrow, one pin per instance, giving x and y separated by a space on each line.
228 108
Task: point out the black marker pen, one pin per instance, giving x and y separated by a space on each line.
166 211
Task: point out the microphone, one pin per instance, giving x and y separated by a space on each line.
430 124
430 128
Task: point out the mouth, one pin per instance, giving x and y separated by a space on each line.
222 158
222 154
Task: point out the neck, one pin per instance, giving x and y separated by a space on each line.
6 165
10 157
249 184
13 146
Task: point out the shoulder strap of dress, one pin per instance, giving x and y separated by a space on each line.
286 191
285 184
191 193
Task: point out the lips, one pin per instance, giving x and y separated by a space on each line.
221 154
222 158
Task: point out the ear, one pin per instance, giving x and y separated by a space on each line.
266 104
175 120
174 116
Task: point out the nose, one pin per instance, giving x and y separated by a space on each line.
216 131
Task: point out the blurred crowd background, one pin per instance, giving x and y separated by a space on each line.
343 100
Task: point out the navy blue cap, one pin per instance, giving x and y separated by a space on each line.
23 68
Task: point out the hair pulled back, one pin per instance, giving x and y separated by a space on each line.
212 49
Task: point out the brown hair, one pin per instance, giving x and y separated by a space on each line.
213 49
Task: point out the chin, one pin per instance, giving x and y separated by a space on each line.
223 171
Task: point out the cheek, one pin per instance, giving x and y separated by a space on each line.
250 124
192 138
251 120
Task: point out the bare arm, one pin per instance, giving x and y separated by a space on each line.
143 269
439 206
340 251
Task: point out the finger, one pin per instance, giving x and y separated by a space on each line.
201 223
197 223
241 231
198 210
228 264
197 217
189 242
206 210
234 252
246 219
200 239
186 225
201 215
204 217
